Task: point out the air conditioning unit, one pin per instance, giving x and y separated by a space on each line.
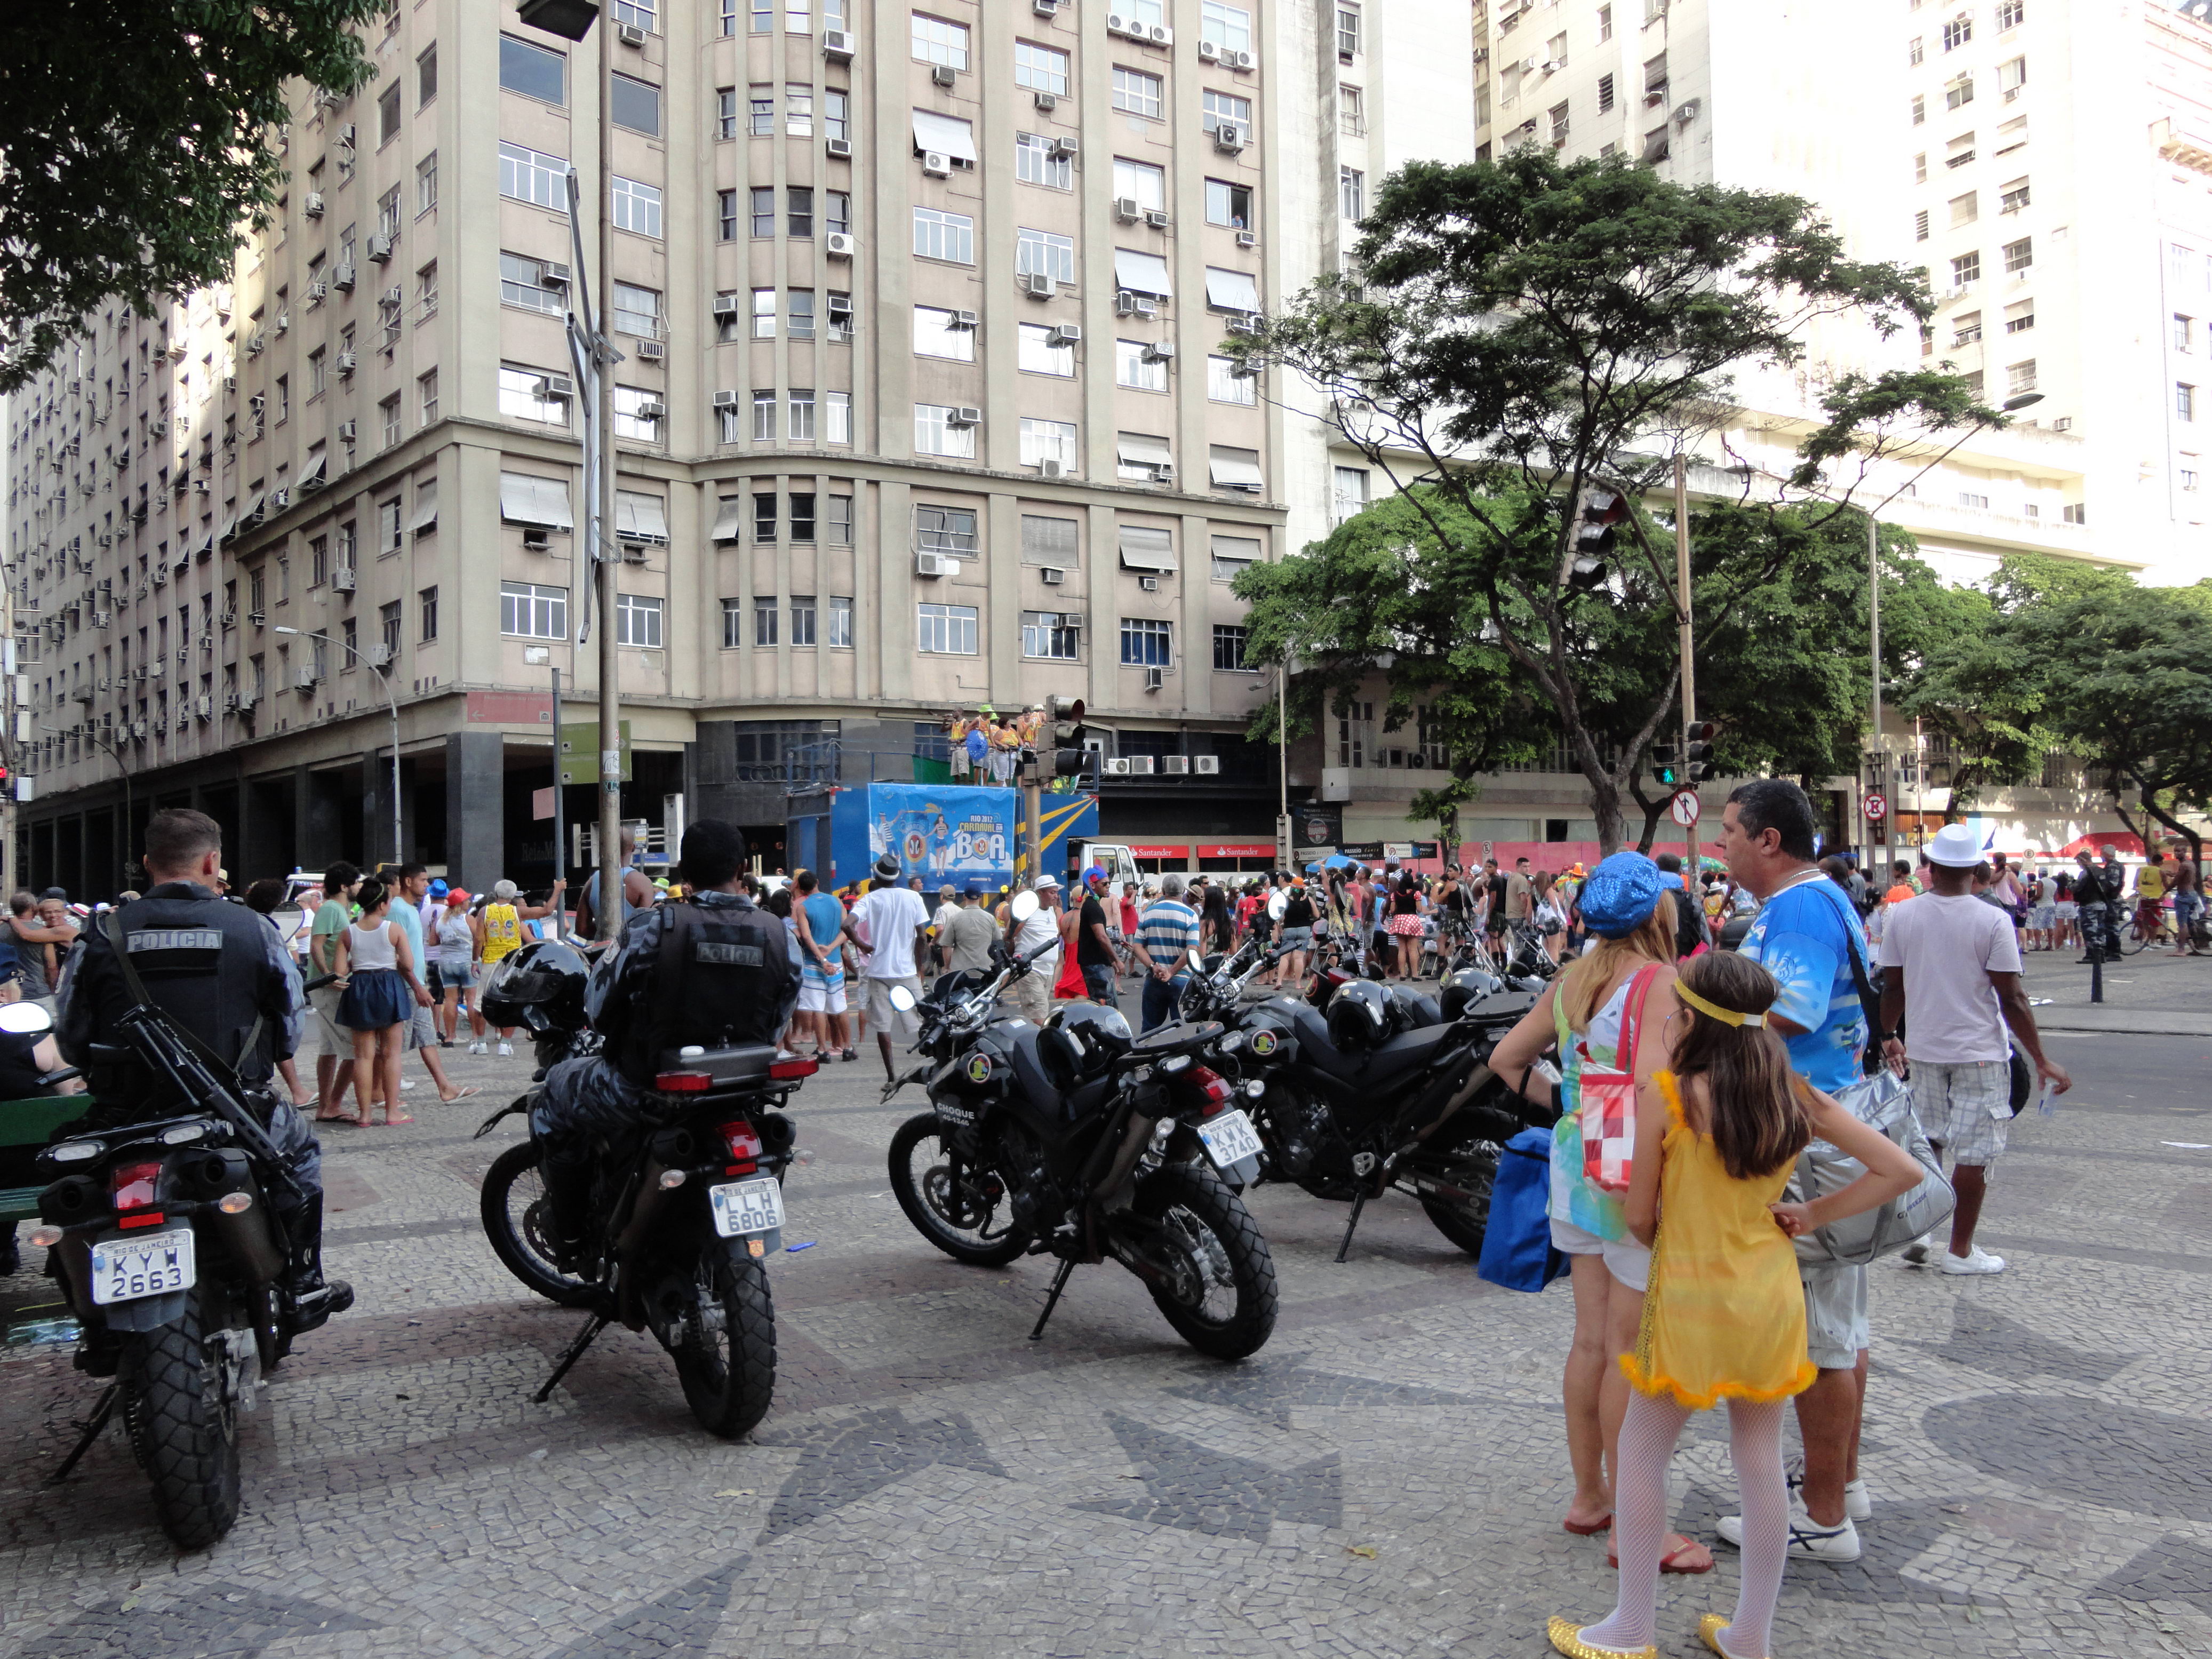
1208 52
1206 766
253 346
937 164
1117 24
839 244
1143 765
1149 583
394 295
318 291
1129 303
838 44
346 135
1687 111
1065 147
1228 137
1553 65
935 564
1244 323
652 351
727 305
1051 575
1064 334
103 618
1159 351
230 703
283 322
1162 35
379 655
279 500
313 207
1051 467
1244 62
230 383
342 278
537 541
303 679
1154 678
1045 7
838 148
1115 766
81 694
1247 239
1038 285
1045 102
552 274
379 248
729 400
963 319
630 34
1163 474
652 411
1128 209
204 706
348 431
965 415
1175 766
342 580
550 386
944 75
1157 218
138 731
259 618
633 553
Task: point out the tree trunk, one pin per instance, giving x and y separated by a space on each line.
1605 806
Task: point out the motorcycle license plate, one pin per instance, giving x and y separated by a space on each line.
743 1207
1229 1138
125 1270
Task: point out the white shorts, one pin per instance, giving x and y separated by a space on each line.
1627 1261
816 998
1836 1329
899 1027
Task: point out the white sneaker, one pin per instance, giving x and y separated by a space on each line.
1858 1502
477 1048
1915 1252
506 1050
1808 1540
1976 1260
406 1082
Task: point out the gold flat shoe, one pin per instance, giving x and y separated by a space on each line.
1564 1638
1709 1632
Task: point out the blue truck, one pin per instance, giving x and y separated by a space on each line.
942 832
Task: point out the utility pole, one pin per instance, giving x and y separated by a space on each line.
608 911
1686 642
1283 770
1874 653
560 827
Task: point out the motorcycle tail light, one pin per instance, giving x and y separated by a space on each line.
798 1065
683 1083
133 1185
745 1144
1212 1086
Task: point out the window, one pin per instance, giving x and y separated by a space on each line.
388 213
1216 107
426 608
798 112
522 283
529 611
1957 32
2012 136
387 411
802 415
1348 32
637 621
1351 111
1223 385
726 113
317 372
1915 50
1233 555
1229 649
2019 317
940 235
1959 93
1351 193
1967 328
390 535
388 626
1041 68
637 13
936 41
764 619
1919 112
1140 457
1136 93
635 105
426 77
1140 182
530 70
2012 77
527 394
1039 351
760 105
764 211
763 17
1234 469
637 206
426 184
764 405
1047 440
1604 93
1049 542
2187 475
1038 161
2011 14
836 115
802 515
1351 492
765 516
802 619
1974 499
1965 210
935 336
532 176
1920 225
839 631
934 433
2185 401
637 311
635 416
1966 271
1656 145
947 530
1046 252
837 426
2013 197
1146 643
2019 378
2184 333
1605 22
798 311
725 215
1228 205
1051 634
945 629
733 622
1228 26
2019 256
837 211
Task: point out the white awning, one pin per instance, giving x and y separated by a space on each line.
542 503
1134 449
729 520
426 506
252 516
1231 290
1231 469
956 137
1235 549
1145 548
229 529
311 477
640 518
1142 273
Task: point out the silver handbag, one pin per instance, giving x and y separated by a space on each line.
1885 1103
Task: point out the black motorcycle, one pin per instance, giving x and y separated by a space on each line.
171 1234
681 1224
1367 1087
1074 1139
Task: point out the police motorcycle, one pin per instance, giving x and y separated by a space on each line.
1076 1141
1363 1090
681 1224
172 1238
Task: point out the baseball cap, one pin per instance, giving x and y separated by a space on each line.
1955 846
977 885
456 896
887 868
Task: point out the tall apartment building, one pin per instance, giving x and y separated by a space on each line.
923 405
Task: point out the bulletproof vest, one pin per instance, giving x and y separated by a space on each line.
722 976
205 961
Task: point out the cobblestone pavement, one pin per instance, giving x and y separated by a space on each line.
1386 1478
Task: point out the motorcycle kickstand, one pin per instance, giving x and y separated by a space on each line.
597 1323
100 1413
1052 1300
1359 1203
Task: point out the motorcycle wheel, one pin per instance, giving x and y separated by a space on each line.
1234 1313
725 1353
921 1177
1472 1166
516 1220
183 1431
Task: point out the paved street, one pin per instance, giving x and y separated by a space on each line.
1386 1478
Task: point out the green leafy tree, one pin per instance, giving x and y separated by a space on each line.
134 147
1513 332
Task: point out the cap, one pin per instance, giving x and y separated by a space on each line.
1095 872
976 886
456 896
1954 847
1620 895
887 868
1048 879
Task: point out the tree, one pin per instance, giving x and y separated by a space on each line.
1513 329
133 147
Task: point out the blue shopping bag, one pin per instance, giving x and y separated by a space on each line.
1517 1252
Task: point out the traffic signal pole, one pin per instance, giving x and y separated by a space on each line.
1689 654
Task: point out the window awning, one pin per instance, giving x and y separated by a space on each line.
956 137
729 520
640 518
1235 549
1231 290
311 477
1133 449
1145 548
252 516
1142 273
222 536
426 506
542 503
1231 470
205 548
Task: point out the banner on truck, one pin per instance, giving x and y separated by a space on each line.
944 833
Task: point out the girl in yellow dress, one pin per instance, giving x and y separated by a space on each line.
1724 1317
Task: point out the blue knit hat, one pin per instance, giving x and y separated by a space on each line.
1620 895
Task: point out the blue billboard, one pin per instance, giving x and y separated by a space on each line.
944 833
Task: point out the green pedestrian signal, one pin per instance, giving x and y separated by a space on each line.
1666 764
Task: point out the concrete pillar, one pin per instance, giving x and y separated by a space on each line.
476 815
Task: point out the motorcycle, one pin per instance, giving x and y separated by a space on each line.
170 1238
1366 1087
681 1224
1075 1141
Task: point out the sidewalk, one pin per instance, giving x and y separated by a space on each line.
2154 991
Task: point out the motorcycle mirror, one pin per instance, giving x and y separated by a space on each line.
1276 902
286 917
901 999
25 1019
1196 960
1022 907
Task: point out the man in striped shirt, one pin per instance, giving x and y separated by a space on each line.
1166 935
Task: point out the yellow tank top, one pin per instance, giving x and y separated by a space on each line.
503 931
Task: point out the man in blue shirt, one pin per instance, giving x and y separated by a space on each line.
1166 935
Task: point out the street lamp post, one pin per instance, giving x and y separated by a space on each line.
398 846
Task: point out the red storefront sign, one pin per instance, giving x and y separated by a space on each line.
1238 849
1137 851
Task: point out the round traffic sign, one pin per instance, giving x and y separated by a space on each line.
1684 808
1876 808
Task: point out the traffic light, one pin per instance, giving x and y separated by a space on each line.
1070 758
1697 750
1666 764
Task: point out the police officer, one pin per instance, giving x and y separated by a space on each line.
220 971
715 971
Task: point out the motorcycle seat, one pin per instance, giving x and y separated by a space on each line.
1087 1099
1390 1060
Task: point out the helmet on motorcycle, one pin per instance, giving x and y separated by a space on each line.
1358 1016
1463 989
1061 1058
547 975
1100 1033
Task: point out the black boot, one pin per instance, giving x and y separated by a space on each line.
314 1300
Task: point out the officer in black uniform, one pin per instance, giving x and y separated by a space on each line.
218 970
715 971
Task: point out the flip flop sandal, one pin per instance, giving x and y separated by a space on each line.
403 1120
1671 1560
461 1093
1590 1531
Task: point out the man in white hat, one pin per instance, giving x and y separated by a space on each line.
1954 976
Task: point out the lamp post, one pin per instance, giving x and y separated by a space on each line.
123 771
398 851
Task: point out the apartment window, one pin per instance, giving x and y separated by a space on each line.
2019 378
637 206
1349 491
1042 68
725 215
1657 146
388 625
764 619
945 629
522 283
802 619
1351 193
2184 333
941 235
2013 197
1049 542
802 515
1233 555
2185 401
934 433
936 41
426 77
1223 385
2019 317
1046 252
1134 367
760 104
1216 107
2012 77
525 394
1957 32
1047 440
936 335
1038 351
633 414
1919 112
765 516
764 407
764 211
1974 499
530 70
1037 161
2019 256
1348 32
1237 470
1605 96
388 411
1973 380
1147 642
1052 636
1959 93
1229 640
840 630
837 424
426 610
426 184
637 621
1136 93
1915 50
1965 210
1920 225
763 17
637 13
733 622
1351 111
726 113
798 112
947 530
1966 271
1228 205
1228 26
318 560
637 311
1140 182
2012 136
1605 22
530 175
802 415
391 537
1967 328
799 313
2011 14
836 115
635 105
529 611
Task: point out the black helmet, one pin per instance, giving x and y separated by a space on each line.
1100 1033
1359 1016
1463 989
547 975
1061 1056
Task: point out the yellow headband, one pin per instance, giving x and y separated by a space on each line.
1714 1011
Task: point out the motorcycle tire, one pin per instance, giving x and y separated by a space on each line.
183 1432
726 1356
512 1205
1464 1224
914 1189
1182 1197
